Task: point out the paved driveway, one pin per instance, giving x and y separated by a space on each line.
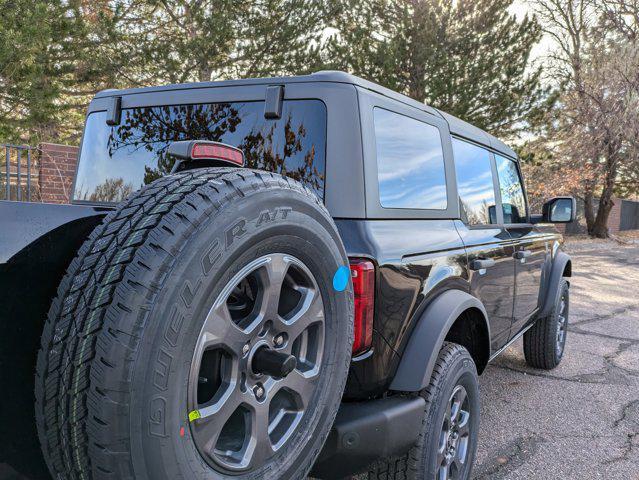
581 420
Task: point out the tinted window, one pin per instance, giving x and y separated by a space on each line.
512 193
474 183
118 160
410 162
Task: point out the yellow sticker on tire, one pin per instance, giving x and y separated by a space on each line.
194 415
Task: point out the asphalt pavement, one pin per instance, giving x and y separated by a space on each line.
581 420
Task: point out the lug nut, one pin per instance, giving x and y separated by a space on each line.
245 349
258 391
279 340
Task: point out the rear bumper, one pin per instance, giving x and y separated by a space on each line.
366 431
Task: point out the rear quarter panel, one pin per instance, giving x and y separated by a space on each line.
416 260
37 243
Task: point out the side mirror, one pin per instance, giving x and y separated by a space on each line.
560 210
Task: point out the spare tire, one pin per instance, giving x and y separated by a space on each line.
198 334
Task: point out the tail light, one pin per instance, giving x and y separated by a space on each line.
217 151
363 277
189 150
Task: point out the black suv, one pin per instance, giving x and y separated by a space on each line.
270 277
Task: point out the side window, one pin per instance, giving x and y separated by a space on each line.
410 162
512 194
474 183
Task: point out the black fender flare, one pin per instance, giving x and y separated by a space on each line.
561 260
418 361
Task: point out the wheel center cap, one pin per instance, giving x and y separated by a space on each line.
273 363
452 440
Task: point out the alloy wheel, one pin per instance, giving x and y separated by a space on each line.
256 363
562 326
454 438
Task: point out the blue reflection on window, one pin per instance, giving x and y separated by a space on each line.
474 183
410 162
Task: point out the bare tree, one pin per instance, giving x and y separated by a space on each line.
596 127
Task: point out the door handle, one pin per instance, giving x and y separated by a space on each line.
481 263
521 254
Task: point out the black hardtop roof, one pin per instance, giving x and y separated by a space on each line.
457 127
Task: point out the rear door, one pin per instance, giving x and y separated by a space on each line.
488 243
530 244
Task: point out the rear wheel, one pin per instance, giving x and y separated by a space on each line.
197 335
448 440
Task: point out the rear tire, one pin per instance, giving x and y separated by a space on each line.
454 378
117 391
544 342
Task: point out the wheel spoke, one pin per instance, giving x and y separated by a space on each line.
463 426
274 273
261 447
443 442
444 472
456 466
213 417
459 395
296 382
310 311
448 418
219 329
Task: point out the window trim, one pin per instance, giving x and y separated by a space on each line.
368 100
527 223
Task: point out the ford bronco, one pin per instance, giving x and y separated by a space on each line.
269 277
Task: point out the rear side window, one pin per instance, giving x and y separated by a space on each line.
118 160
410 162
474 183
513 201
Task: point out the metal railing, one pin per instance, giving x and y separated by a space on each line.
17 182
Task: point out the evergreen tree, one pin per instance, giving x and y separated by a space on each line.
180 41
464 57
52 61
468 58
28 89
56 54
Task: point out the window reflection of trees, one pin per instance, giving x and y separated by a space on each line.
477 214
111 190
514 204
152 129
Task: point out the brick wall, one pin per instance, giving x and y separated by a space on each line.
57 170
614 219
561 228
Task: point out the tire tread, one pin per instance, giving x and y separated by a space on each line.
82 337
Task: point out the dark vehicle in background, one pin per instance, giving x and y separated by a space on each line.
266 277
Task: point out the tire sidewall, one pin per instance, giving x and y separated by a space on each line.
279 220
461 371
